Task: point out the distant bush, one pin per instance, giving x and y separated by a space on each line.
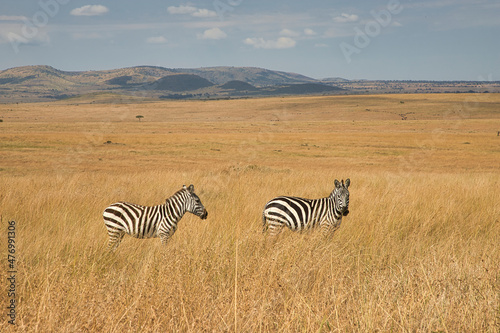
180 96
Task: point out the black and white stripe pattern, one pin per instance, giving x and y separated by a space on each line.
149 222
301 214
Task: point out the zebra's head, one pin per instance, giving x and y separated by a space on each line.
193 203
341 196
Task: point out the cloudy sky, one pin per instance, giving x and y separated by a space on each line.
390 39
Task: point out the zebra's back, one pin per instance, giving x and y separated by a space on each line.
136 220
294 212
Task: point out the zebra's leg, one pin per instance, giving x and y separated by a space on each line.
325 228
272 225
166 234
115 238
328 229
275 227
164 237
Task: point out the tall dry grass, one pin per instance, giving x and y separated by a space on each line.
419 251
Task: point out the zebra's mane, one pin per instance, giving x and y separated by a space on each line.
179 194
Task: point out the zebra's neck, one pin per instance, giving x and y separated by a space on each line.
336 214
175 207
322 209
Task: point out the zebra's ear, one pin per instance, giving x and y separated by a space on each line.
347 182
191 188
184 187
337 183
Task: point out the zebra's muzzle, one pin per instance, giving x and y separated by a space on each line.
204 215
345 213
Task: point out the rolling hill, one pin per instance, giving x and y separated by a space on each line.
237 85
179 83
42 83
255 76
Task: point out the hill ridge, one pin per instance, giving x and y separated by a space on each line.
43 82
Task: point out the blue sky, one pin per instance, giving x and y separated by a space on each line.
390 40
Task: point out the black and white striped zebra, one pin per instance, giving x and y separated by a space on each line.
151 221
302 214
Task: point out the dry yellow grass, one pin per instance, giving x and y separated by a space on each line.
419 251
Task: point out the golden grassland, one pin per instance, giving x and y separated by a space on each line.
419 251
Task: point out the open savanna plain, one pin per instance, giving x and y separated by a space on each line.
419 251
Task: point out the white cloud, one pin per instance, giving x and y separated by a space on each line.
346 18
191 10
182 9
214 33
90 10
156 40
204 13
15 34
12 18
396 24
309 32
289 33
280 43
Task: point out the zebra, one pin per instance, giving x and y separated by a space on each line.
302 214
151 221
